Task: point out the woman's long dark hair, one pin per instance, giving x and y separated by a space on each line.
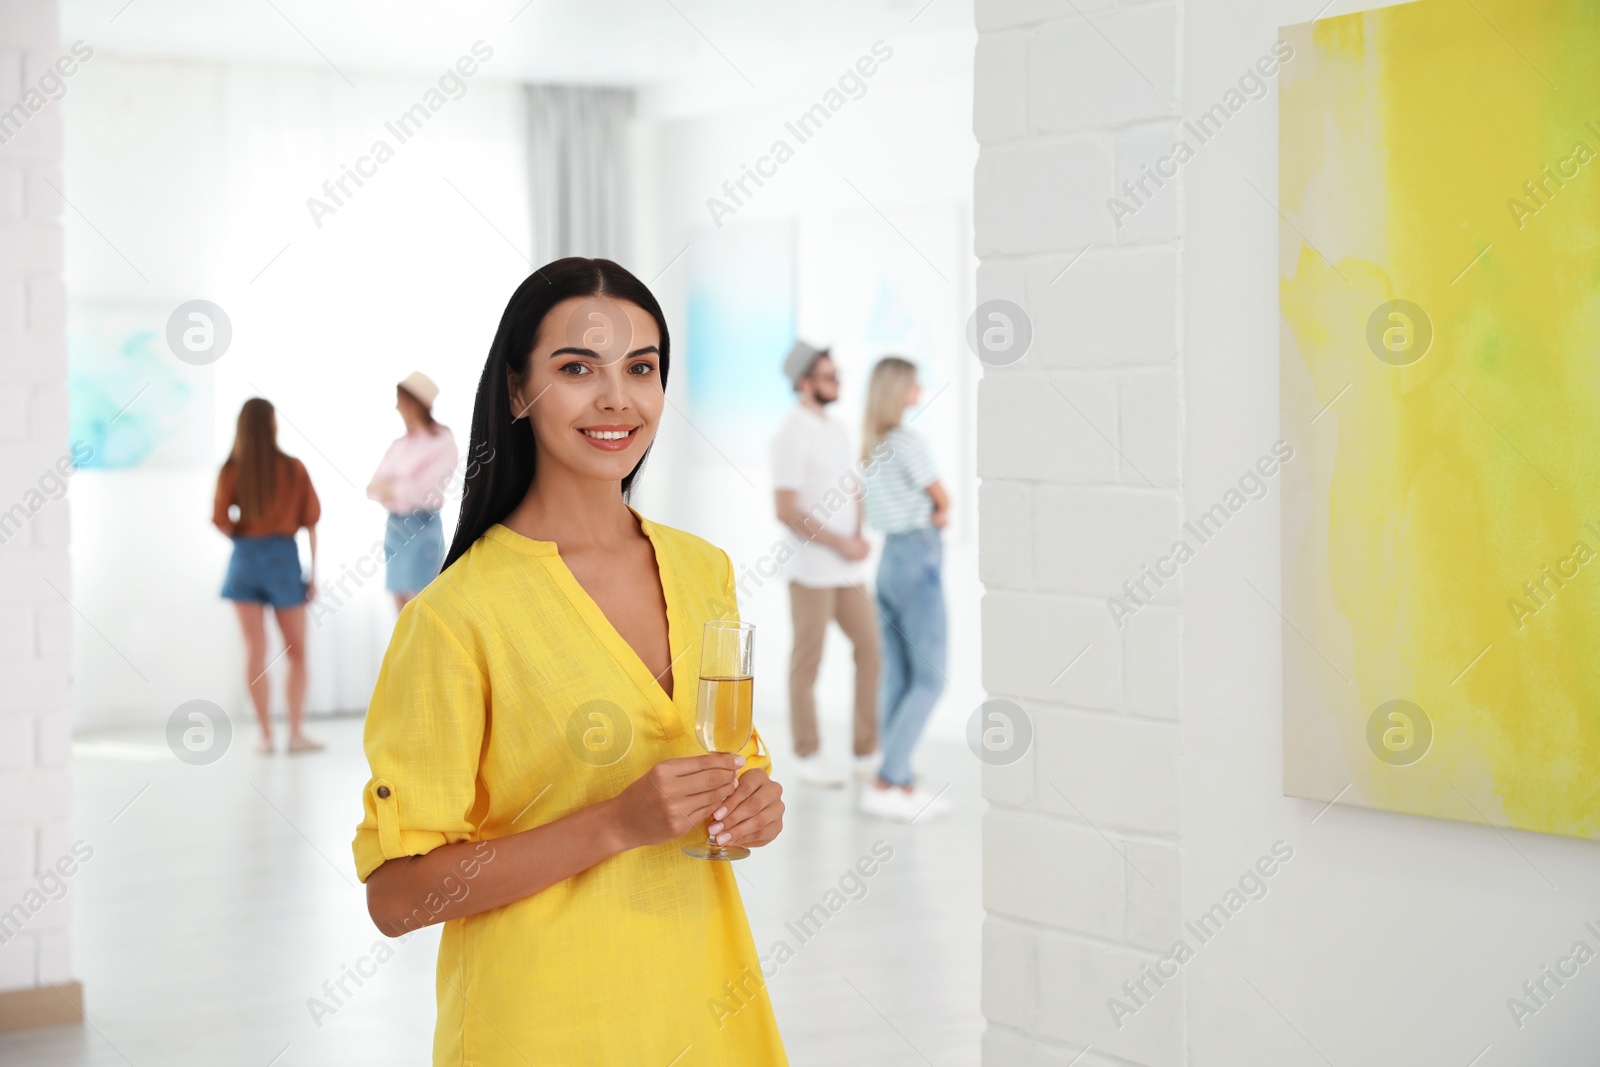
256 459
501 454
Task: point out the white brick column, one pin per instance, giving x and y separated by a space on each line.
36 986
1079 451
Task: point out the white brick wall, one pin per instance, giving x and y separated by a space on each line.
1165 334
1080 452
35 624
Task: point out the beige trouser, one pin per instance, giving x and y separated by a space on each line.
811 608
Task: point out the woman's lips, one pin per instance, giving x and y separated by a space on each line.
613 444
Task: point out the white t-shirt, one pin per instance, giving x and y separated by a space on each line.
811 454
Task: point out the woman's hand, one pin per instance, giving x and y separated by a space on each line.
674 797
755 814
855 548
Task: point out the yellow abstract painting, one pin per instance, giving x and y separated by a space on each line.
1439 185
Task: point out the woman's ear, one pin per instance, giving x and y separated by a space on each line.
513 389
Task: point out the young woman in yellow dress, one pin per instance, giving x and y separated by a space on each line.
531 734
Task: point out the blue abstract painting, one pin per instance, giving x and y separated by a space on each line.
741 324
132 401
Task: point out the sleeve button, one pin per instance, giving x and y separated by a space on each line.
383 792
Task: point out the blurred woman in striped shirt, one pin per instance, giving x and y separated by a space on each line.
907 503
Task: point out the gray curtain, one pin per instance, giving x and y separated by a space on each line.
576 171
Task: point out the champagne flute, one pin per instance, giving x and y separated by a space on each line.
724 713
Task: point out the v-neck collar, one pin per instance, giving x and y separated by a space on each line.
665 706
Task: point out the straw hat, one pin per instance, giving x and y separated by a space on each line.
420 386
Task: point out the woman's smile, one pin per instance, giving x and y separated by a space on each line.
613 438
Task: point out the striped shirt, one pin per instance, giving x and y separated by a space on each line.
897 484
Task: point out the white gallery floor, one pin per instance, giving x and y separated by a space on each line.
220 898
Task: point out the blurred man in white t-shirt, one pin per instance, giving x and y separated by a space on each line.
817 483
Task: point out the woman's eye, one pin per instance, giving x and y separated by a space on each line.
582 369
648 368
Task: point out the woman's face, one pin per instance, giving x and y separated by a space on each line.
592 392
406 404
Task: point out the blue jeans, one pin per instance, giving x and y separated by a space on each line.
911 602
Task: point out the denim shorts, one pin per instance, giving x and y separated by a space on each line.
265 570
413 546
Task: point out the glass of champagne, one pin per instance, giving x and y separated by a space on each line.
724 715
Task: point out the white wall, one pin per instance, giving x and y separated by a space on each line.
195 177
198 174
1386 939
36 587
906 146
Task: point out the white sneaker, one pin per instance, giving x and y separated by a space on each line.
814 770
867 766
927 805
884 803
902 806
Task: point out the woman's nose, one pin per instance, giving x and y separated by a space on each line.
613 390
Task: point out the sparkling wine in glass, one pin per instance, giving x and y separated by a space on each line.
724 714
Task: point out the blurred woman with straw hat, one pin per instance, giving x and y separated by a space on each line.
410 482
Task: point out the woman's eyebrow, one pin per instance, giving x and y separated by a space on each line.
595 355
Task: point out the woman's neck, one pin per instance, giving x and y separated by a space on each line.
570 509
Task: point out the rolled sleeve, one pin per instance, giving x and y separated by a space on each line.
424 734
755 755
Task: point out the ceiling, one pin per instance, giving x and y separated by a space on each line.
730 50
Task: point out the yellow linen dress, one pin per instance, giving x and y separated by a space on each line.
507 700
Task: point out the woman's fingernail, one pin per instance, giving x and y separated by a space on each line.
719 813
723 839
738 761
714 828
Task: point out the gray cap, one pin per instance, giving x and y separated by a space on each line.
799 361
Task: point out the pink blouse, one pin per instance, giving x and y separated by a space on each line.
420 466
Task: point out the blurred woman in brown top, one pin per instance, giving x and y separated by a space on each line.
274 498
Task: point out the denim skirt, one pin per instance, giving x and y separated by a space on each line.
265 570
413 548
